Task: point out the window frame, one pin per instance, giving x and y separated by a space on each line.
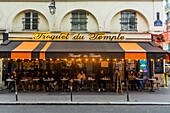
125 21
31 22
79 21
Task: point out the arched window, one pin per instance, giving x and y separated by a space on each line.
128 21
79 20
30 21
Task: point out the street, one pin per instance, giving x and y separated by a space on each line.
84 109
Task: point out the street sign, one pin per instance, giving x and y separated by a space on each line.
158 23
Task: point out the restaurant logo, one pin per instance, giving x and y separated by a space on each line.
77 36
91 55
97 36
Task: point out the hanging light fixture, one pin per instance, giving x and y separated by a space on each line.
52 7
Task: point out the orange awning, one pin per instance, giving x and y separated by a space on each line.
133 51
42 53
135 55
23 51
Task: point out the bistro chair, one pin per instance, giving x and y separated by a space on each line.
146 82
157 82
90 82
109 83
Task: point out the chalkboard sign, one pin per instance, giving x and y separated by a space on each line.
159 67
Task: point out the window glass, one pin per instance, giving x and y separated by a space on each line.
34 15
79 20
74 26
27 15
30 22
83 26
128 21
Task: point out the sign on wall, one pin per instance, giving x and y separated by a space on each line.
78 36
143 66
159 67
158 23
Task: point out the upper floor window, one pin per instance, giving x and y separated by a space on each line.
128 21
79 20
30 21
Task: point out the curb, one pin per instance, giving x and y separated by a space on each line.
85 103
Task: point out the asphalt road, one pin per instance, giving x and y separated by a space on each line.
83 109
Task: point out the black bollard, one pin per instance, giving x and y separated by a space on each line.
16 91
127 90
71 89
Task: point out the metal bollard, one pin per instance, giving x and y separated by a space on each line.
127 90
71 89
16 91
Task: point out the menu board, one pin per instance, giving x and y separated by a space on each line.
104 64
159 67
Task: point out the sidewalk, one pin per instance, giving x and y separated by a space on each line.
159 97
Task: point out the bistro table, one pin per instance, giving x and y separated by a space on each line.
9 80
138 82
138 79
76 81
35 79
64 80
48 80
151 80
90 80
106 79
11 83
24 82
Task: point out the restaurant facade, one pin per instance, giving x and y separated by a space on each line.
90 35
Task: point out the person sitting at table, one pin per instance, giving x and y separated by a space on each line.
140 82
30 82
131 78
54 79
66 83
57 80
37 82
101 75
41 80
82 77
15 77
45 83
23 83
8 83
